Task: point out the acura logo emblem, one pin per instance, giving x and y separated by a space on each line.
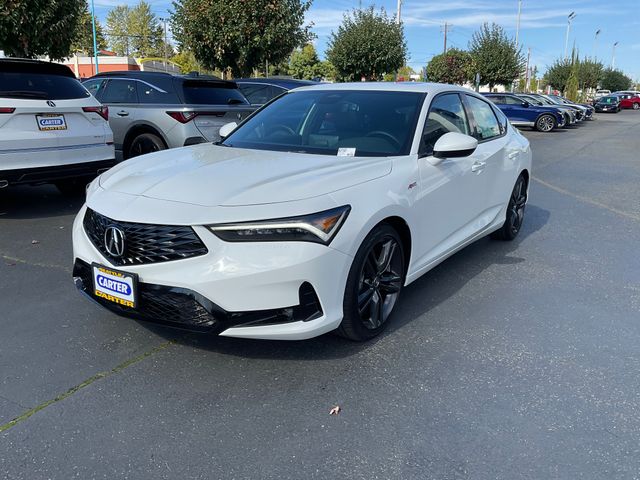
50 103
114 241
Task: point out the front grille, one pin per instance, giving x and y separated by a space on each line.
144 243
171 306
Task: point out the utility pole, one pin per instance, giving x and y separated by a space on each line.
164 20
613 56
399 11
446 30
595 45
571 16
95 40
518 23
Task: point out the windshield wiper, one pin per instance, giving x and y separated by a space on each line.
24 93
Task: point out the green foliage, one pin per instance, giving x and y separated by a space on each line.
136 31
368 44
522 85
83 41
558 74
589 73
305 64
29 28
187 62
455 67
614 80
240 34
496 56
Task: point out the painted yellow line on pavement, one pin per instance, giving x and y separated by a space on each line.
587 200
86 383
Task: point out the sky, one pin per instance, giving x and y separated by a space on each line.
543 26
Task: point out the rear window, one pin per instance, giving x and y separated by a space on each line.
201 92
40 86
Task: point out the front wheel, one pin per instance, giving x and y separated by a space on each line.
636 106
546 123
515 212
373 285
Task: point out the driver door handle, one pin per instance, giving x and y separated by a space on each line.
478 166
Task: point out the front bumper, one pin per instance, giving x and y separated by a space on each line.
286 291
40 175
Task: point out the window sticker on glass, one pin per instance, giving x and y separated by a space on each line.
346 152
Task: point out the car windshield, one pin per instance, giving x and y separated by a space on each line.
608 100
40 86
334 122
531 100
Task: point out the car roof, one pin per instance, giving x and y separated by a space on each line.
419 87
288 83
148 76
27 65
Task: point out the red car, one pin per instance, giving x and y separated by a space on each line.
629 101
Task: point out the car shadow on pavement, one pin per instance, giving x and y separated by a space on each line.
45 201
419 298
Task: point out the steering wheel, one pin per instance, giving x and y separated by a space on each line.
385 135
280 126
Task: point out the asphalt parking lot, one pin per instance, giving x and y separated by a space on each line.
509 360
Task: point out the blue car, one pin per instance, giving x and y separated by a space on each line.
521 113
260 90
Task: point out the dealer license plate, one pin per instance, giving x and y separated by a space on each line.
48 121
115 286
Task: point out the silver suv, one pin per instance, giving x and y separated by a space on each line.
151 111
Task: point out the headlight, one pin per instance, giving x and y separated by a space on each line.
318 227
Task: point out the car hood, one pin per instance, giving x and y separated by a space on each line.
211 175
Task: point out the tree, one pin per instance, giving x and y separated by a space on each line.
136 31
572 81
614 80
29 28
240 34
589 73
533 80
83 41
305 64
455 67
118 28
368 44
558 74
496 56
146 34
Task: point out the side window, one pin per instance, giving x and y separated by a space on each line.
275 91
121 91
446 114
497 99
487 125
256 93
512 100
96 87
148 93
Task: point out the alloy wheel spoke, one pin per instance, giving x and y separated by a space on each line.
388 250
364 299
376 309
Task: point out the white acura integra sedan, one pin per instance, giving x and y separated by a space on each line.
310 216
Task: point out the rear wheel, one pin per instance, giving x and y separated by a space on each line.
636 106
545 123
145 143
515 212
374 284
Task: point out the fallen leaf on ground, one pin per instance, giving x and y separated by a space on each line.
335 410
34 242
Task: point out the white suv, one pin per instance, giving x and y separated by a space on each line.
51 129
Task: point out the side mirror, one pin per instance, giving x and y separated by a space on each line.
525 104
226 129
453 145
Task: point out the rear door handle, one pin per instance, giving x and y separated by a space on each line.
513 155
478 166
122 113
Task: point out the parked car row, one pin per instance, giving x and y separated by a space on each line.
618 101
541 112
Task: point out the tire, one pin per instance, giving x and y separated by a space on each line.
145 143
73 187
515 212
377 272
546 123
636 106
